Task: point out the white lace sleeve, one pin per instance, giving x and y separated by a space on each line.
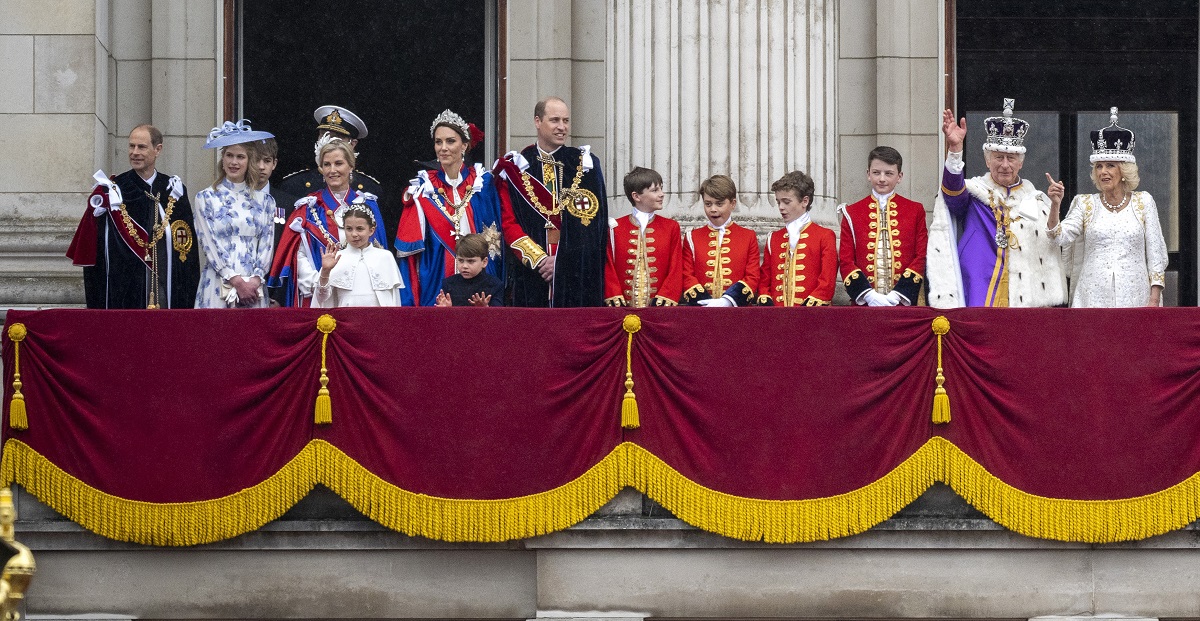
1069 228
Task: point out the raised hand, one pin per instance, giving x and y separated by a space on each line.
1055 191
329 258
956 133
443 299
480 299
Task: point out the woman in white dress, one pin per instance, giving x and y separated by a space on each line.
234 224
1113 242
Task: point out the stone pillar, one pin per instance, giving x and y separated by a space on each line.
185 96
557 48
746 89
889 88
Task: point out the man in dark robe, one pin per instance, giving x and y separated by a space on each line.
136 241
555 217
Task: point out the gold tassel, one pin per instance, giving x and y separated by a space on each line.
941 400
16 408
629 406
323 414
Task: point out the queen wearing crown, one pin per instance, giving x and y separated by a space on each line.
442 205
1113 242
988 244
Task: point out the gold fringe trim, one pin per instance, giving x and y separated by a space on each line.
1089 521
784 521
160 524
628 465
451 519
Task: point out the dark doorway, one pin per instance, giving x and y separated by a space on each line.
395 64
1066 63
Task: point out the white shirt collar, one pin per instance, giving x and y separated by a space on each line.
881 199
795 226
723 225
153 176
642 218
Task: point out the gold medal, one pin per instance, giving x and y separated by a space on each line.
581 203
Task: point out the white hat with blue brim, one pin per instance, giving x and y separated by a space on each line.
234 133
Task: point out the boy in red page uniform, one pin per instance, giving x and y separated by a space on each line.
800 262
720 259
882 250
645 261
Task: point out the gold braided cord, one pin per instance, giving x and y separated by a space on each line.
628 465
17 417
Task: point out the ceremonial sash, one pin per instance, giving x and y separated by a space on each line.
507 168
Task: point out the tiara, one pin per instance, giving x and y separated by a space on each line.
1113 143
361 210
325 139
1005 133
450 118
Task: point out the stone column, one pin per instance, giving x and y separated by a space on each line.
889 85
745 88
185 95
556 47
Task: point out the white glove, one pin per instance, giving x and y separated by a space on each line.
874 298
895 299
175 187
114 192
721 302
231 298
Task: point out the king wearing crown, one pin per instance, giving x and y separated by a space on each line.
988 244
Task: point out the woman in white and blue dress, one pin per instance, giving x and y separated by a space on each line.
234 224
1113 241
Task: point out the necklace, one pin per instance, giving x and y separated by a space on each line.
1117 207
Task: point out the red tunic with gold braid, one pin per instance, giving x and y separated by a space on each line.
801 277
644 269
867 241
711 270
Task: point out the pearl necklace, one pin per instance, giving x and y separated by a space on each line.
1117 207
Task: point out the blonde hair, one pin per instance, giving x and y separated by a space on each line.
252 157
1129 175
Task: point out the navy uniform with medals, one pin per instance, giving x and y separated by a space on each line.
119 269
555 205
339 123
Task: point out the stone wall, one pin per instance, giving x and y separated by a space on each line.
78 76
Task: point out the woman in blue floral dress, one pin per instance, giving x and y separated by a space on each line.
234 224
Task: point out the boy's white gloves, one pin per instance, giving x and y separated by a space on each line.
895 299
721 302
875 298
